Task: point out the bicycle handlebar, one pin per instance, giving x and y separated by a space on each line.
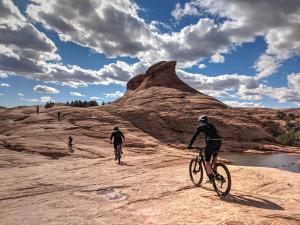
197 148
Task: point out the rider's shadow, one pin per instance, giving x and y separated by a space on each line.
249 200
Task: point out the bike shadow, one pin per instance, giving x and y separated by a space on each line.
249 200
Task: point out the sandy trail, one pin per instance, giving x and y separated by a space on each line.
41 183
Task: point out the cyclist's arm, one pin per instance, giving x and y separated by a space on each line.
122 135
199 129
111 137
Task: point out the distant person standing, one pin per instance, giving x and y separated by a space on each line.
119 138
37 109
70 144
58 115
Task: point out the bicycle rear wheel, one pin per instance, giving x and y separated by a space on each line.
196 172
222 180
119 154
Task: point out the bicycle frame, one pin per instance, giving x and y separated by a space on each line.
200 159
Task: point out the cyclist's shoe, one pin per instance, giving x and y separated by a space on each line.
218 177
211 178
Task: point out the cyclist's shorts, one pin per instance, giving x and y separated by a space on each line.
212 149
116 145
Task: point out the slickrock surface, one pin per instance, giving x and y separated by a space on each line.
42 183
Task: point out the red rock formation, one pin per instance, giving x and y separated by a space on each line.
161 104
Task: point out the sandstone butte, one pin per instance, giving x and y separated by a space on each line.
41 183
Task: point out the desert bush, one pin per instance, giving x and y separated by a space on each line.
285 135
289 138
79 103
291 116
280 115
49 105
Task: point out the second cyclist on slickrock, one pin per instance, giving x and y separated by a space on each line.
213 142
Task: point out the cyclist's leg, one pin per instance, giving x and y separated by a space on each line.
121 148
208 154
115 147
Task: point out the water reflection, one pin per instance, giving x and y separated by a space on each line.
276 160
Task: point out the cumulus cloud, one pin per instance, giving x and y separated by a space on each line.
77 94
217 58
243 87
202 66
22 47
116 94
46 99
110 27
20 94
4 85
277 21
29 99
243 104
45 89
189 9
95 98
218 83
266 65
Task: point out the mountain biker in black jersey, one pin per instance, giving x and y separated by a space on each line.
213 142
118 137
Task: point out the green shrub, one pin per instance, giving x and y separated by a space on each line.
79 103
280 115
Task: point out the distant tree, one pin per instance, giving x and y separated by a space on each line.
280 115
103 103
291 116
49 104
93 103
67 103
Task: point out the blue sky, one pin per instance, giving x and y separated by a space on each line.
243 54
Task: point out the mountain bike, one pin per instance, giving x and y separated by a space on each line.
222 179
118 153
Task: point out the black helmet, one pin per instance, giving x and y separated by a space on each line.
116 128
203 119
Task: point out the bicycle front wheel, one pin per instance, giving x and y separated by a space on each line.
119 154
222 180
196 172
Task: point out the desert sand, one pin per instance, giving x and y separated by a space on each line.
42 183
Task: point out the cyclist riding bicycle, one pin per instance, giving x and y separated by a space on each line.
213 142
119 138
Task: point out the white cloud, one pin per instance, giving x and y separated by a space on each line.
202 66
217 58
294 81
189 9
266 65
23 49
1 94
20 94
95 98
29 99
156 26
77 94
46 99
111 27
4 85
116 94
243 104
45 89
217 83
277 21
